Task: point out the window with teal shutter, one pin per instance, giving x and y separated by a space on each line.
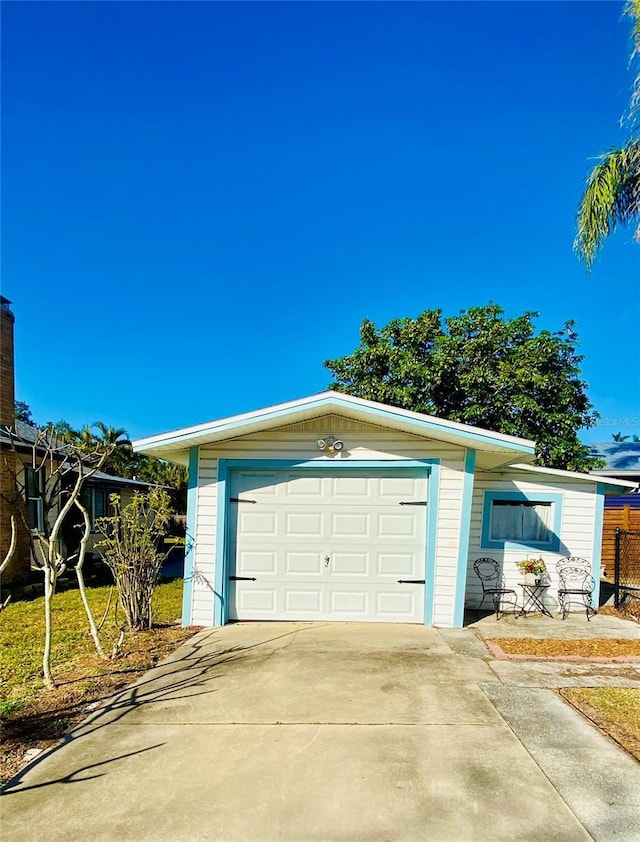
515 520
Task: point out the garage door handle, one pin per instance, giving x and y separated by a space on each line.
243 578
411 581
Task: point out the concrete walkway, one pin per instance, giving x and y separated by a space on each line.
346 732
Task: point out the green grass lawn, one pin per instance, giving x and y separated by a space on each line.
33 716
22 633
615 710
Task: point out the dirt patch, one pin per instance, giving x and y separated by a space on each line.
599 649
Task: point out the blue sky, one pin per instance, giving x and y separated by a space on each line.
202 201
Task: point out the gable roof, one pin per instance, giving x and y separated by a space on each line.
18 432
621 457
174 445
615 486
100 478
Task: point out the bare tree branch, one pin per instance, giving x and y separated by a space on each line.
61 468
86 532
12 546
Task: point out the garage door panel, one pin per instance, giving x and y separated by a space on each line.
398 603
254 485
252 562
348 564
304 489
256 600
258 523
303 602
300 563
350 525
397 564
350 490
349 604
327 547
402 488
305 524
297 562
399 525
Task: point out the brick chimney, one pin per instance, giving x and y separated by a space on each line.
10 502
7 375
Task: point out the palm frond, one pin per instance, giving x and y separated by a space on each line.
632 11
611 198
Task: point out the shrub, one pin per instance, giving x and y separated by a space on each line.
130 546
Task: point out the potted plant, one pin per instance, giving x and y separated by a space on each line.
534 570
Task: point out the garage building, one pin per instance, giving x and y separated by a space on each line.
335 508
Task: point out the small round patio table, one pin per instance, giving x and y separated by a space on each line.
532 600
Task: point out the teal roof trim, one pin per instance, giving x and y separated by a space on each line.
461 434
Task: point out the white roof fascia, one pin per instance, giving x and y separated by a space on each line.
614 473
326 402
618 483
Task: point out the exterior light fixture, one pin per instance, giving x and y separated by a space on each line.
330 443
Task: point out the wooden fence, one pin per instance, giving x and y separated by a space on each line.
625 517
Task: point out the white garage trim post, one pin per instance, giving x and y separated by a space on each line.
190 535
433 496
463 542
221 585
431 468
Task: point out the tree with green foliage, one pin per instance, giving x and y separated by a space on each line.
112 435
119 462
22 412
61 429
172 477
122 461
482 369
612 194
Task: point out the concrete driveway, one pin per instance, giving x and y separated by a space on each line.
269 731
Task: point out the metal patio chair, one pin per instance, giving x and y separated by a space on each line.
576 585
492 581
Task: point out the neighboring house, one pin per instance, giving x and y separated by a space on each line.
95 496
16 454
383 525
622 460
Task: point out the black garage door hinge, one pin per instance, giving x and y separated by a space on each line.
239 500
411 581
243 578
413 502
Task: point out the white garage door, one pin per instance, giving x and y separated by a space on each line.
343 546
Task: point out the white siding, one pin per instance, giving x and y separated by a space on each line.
362 442
205 541
576 530
449 514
